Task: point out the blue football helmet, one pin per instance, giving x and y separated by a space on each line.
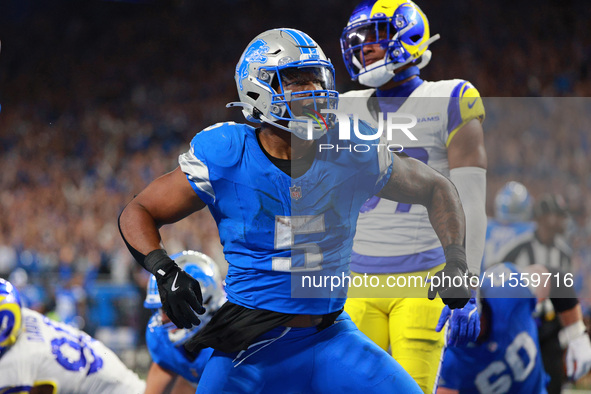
271 61
10 315
206 271
398 26
513 203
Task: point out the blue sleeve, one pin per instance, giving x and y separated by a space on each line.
451 376
215 146
154 344
161 350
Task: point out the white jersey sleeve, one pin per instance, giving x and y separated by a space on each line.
55 354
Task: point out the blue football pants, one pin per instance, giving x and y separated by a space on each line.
338 359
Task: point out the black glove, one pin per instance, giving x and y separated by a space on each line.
179 292
452 296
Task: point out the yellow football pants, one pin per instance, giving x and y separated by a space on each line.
406 326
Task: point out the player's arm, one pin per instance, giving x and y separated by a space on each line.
416 183
159 380
167 199
573 335
182 386
467 163
552 285
445 390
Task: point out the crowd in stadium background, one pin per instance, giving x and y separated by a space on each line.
93 92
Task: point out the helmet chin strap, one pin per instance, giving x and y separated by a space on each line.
302 130
377 75
299 129
247 110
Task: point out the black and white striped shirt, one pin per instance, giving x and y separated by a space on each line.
531 251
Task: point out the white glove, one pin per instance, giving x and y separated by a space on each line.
578 354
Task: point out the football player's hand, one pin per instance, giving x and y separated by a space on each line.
464 323
578 357
455 295
179 292
181 297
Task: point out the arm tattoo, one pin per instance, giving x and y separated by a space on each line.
414 182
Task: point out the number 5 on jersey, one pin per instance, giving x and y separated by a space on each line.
286 228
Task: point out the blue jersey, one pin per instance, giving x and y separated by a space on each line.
501 238
274 228
509 361
174 358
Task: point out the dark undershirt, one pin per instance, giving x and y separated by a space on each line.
293 168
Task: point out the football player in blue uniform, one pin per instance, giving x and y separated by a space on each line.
172 366
506 358
286 211
512 222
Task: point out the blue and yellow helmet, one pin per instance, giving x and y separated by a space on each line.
398 26
10 315
513 203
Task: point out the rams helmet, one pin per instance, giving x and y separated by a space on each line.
399 27
10 315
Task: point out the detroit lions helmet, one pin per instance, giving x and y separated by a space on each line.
272 59
513 203
398 26
206 271
10 315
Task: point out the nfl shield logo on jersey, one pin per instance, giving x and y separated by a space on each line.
295 192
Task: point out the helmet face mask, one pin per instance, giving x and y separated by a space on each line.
360 35
398 27
301 93
282 78
206 271
10 315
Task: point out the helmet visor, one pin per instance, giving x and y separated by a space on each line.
306 90
356 37
375 32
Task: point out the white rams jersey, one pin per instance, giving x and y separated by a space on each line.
394 237
62 357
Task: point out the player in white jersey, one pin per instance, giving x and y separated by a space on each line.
38 355
385 44
512 222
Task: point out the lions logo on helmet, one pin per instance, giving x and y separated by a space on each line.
10 315
513 203
206 271
398 26
268 61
